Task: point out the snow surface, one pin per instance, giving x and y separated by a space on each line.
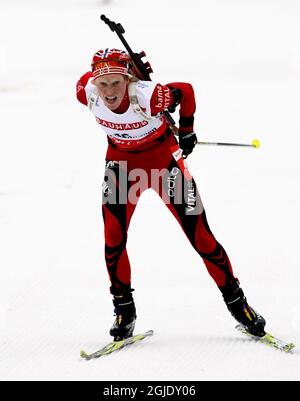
243 59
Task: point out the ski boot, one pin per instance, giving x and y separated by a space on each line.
238 306
125 312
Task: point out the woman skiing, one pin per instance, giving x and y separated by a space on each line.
143 153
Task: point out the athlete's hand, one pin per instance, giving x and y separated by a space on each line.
187 142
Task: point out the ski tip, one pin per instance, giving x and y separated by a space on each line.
289 347
83 354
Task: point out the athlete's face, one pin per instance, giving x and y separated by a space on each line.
111 89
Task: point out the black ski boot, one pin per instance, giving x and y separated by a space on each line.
238 306
125 315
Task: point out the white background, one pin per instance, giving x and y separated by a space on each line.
243 59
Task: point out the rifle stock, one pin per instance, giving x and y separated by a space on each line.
142 70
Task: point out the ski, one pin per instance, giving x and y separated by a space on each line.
268 339
116 345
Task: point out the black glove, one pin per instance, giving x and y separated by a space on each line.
187 142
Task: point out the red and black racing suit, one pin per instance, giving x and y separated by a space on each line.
177 189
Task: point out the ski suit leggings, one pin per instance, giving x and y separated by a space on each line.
127 175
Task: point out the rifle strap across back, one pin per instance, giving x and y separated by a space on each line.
92 100
135 102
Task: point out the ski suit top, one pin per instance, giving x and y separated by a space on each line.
128 130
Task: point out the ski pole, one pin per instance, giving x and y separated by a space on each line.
254 144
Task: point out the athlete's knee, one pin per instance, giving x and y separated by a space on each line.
205 241
114 233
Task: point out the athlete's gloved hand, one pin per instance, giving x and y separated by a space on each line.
187 142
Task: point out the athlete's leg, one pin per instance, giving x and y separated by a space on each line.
179 192
117 211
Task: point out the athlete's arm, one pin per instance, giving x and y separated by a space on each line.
170 96
80 87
